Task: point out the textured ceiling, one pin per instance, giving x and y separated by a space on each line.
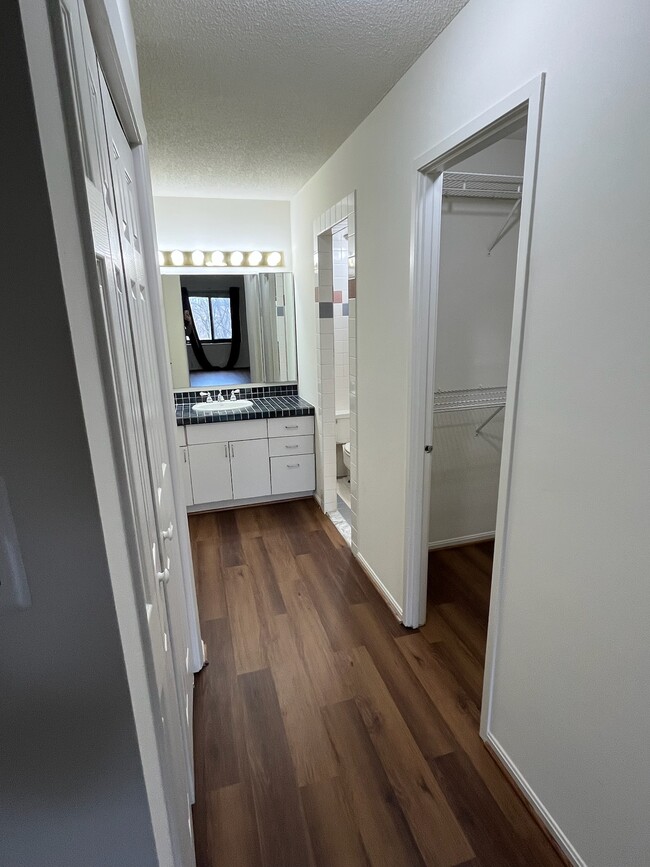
249 98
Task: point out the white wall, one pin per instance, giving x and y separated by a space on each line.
171 287
475 299
570 704
226 224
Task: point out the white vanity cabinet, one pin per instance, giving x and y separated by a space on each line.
249 465
291 446
210 471
247 460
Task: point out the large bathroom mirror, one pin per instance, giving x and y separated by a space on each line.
230 329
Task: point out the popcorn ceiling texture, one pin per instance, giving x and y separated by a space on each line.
248 99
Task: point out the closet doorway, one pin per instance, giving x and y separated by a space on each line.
473 218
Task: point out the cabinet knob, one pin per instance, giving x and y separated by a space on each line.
163 576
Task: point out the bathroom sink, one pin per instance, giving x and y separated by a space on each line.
222 406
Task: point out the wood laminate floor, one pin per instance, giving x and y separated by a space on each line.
327 734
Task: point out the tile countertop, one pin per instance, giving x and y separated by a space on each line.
284 406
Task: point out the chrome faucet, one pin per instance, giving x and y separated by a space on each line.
207 396
234 393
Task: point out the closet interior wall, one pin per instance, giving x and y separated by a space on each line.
472 347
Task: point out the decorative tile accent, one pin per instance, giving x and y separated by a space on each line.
345 310
337 297
352 288
325 293
325 310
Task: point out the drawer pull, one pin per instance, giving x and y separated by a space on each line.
291 427
292 447
292 466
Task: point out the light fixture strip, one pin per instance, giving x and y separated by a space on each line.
221 258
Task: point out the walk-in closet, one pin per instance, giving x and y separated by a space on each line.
478 258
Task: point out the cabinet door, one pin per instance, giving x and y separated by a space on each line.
210 471
185 475
249 461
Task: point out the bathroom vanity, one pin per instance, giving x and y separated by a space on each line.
231 457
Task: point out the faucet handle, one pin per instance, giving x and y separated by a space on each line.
206 395
234 393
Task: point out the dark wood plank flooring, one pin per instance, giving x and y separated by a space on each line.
326 734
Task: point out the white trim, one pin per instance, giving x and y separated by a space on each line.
460 540
545 817
387 596
224 505
483 130
344 211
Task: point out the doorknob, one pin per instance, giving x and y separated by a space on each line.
163 576
169 532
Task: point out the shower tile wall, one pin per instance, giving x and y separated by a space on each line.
341 330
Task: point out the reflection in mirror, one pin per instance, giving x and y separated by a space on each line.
230 329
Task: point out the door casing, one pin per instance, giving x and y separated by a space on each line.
525 102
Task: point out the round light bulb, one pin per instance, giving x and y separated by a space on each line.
161 258
254 258
236 259
198 258
177 258
217 260
273 259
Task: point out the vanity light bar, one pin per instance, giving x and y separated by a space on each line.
221 259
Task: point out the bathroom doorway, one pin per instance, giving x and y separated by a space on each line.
465 370
336 441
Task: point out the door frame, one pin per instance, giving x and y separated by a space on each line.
424 287
342 212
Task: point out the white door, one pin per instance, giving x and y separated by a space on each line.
151 396
186 476
112 313
210 469
249 465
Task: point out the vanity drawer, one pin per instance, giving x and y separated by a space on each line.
291 427
288 446
293 475
180 436
226 431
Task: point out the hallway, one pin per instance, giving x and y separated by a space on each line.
326 733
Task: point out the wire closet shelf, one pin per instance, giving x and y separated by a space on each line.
477 185
471 398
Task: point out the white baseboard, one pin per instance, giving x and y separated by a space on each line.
461 540
539 808
376 580
253 501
